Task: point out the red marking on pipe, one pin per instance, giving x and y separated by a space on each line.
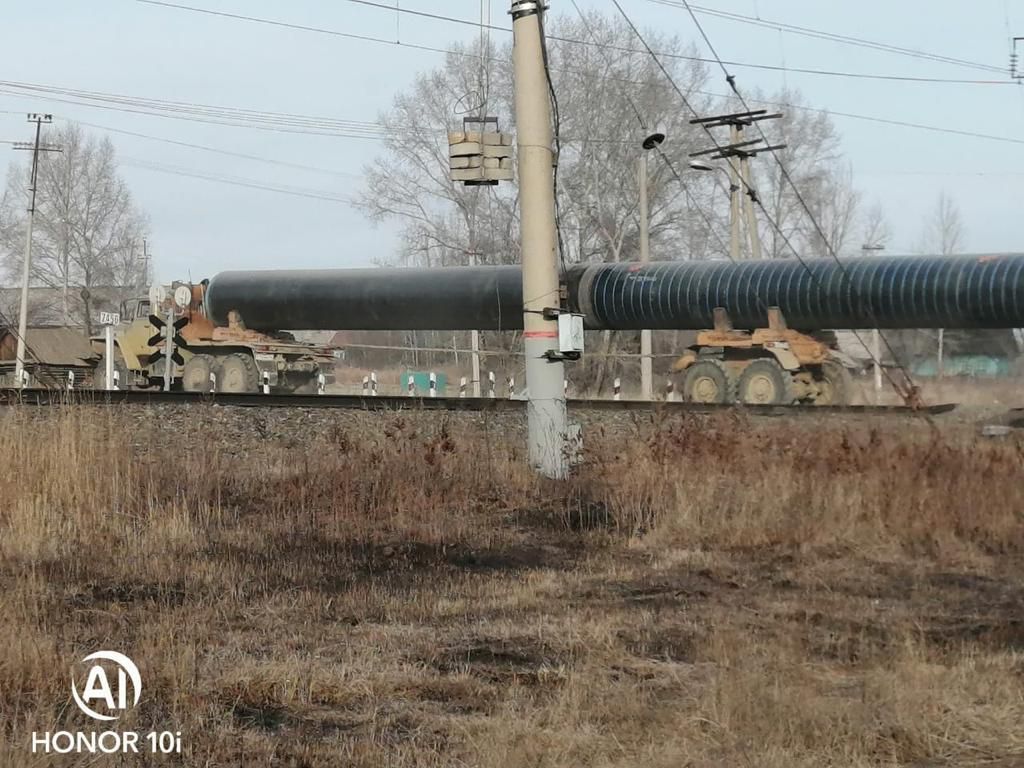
540 335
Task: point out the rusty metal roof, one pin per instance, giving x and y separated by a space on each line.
51 346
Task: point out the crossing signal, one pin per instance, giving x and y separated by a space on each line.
159 339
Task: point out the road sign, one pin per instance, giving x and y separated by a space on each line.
109 318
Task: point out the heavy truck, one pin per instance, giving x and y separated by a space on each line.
240 360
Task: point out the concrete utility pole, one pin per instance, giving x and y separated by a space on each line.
545 373
747 180
36 148
646 362
738 153
734 199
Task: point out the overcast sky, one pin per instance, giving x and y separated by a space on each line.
200 226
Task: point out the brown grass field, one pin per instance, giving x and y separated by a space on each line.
397 592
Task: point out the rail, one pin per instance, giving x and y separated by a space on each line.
54 397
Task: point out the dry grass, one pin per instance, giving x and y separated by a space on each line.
712 593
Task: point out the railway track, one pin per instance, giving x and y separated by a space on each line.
54 397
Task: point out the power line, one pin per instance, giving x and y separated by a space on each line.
216 150
281 122
691 199
236 181
469 22
731 80
833 37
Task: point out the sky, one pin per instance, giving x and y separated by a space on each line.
200 226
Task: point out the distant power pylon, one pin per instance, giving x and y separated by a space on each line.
1015 71
738 153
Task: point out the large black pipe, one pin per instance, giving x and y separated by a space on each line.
867 292
818 294
453 298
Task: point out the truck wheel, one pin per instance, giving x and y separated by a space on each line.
835 385
238 374
196 376
764 382
706 381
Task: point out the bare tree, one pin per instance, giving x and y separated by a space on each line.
813 161
944 229
88 232
603 94
875 229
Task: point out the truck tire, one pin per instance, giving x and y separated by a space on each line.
835 385
196 376
765 382
238 374
707 381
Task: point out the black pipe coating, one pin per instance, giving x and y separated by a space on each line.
818 294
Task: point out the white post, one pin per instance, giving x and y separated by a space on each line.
617 389
321 384
117 379
670 391
462 387
940 370
491 385
433 384
71 380
877 353
108 356
476 363
373 383
266 382
169 350
213 382
565 387
511 382
412 386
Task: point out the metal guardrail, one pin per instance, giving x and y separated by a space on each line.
55 397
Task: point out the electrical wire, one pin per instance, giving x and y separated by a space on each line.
469 22
557 114
286 123
833 36
216 150
665 158
753 194
236 181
